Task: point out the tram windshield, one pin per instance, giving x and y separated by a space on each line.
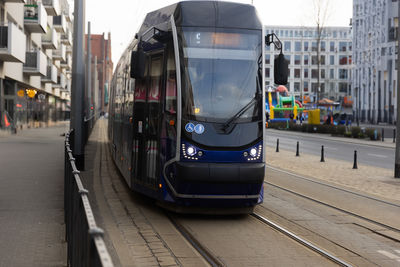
221 74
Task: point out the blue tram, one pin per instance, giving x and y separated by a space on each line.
186 111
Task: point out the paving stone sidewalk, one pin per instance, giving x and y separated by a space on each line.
32 227
375 181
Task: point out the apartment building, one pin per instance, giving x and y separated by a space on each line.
101 53
35 61
375 25
300 48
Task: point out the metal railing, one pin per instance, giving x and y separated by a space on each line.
86 245
31 59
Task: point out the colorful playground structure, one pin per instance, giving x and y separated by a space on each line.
283 107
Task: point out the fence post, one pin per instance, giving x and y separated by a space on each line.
383 134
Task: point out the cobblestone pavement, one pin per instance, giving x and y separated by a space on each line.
371 180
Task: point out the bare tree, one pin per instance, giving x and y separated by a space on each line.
321 9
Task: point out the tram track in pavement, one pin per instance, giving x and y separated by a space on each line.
342 210
301 241
208 256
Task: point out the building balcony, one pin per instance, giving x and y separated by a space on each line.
69 49
52 7
60 23
12 44
35 18
60 53
50 39
15 1
66 38
51 75
35 63
61 82
66 64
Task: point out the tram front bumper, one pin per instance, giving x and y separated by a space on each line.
217 173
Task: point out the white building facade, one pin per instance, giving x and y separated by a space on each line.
375 25
300 48
35 61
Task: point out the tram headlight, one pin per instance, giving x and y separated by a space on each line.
254 153
191 151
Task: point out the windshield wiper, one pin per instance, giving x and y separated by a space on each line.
239 113
231 120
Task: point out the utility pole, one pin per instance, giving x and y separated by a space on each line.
397 159
89 73
78 84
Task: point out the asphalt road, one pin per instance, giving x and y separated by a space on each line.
366 154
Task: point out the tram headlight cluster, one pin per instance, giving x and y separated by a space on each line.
190 152
254 153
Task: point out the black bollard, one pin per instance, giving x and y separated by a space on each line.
394 135
322 154
297 149
383 135
277 145
355 160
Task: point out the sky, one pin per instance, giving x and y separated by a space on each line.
123 17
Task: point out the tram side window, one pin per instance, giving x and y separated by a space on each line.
170 96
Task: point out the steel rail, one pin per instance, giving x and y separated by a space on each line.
302 241
203 251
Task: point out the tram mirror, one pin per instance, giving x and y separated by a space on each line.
137 64
281 69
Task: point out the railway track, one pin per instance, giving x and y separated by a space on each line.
300 240
347 212
208 256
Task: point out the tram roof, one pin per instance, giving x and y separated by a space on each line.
205 14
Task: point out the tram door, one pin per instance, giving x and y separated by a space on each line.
147 142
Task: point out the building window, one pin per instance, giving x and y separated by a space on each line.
287 46
332 74
343 88
297 46
313 46
342 60
323 46
322 60
297 87
332 47
305 73
342 46
305 46
314 87
287 57
267 48
332 60
297 60
343 74
314 60
297 73
322 74
305 59
314 74
305 87
267 59
267 72
350 46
